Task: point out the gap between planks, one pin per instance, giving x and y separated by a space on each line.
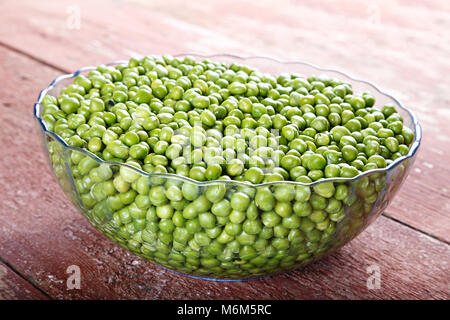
32 57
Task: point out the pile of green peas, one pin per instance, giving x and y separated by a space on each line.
211 122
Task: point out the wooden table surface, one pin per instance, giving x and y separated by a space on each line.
401 45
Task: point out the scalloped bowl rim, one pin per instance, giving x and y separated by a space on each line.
412 150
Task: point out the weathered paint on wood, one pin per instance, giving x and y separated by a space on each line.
14 287
42 234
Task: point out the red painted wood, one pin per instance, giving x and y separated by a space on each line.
42 234
13 287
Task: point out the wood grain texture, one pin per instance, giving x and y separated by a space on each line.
397 44
42 234
14 287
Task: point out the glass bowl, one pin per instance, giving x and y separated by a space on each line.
210 234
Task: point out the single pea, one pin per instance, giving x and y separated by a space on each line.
237 88
69 105
408 135
349 172
131 138
378 160
197 173
289 132
270 219
164 212
289 162
235 167
291 222
201 102
284 192
314 161
213 171
95 144
210 121
349 153
221 208
320 124
252 227
118 149
388 109
215 193
392 144
208 118
283 209
338 132
75 120
324 189
143 96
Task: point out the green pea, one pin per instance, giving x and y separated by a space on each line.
349 153
235 167
118 149
283 209
254 175
324 189
341 192
240 201
181 235
208 118
270 219
213 172
289 132
190 191
121 185
314 161
349 171
233 229
285 192
289 162
193 226
143 96
202 102
207 220
320 124
164 212
408 135
264 199
215 193
291 222
338 132
378 160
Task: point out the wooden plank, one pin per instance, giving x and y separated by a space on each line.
381 41
14 287
42 234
